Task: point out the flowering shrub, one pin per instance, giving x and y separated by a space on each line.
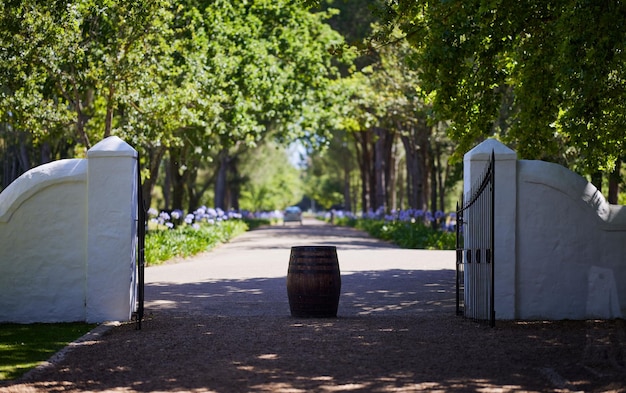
195 219
411 228
176 234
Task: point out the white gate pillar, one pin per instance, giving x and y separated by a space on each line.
111 231
505 217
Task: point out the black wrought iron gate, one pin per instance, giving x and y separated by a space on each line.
475 249
140 254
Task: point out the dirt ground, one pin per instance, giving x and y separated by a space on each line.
434 352
383 340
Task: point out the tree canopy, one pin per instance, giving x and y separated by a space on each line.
547 77
190 81
194 85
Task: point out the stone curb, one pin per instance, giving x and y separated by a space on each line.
85 339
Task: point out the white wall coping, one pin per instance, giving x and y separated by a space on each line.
112 146
576 187
482 152
38 178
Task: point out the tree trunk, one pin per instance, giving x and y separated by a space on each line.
23 154
412 171
223 160
153 162
392 183
234 183
415 142
596 180
45 153
614 181
364 159
177 177
81 117
193 199
347 195
347 201
444 176
108 120
167 185
433 183
380 186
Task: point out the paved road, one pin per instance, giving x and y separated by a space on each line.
247 276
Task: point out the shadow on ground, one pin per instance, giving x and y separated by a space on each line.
381 292
238 336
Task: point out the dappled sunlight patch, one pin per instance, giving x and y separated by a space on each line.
245 368
388 307
118 369
268 356
277 387
391 294
52 386
317 326
162 304
322 378
345 387
251 291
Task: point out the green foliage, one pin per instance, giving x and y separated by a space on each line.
547 77
23 347
323 178
270 182
185 241
254 223
413 235
74 63
196 77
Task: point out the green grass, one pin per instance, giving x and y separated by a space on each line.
23 347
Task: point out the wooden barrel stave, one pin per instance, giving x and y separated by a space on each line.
313 281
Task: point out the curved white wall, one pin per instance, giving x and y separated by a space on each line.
43 244
570 246
67 237
560 248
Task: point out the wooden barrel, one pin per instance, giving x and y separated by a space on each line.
313 281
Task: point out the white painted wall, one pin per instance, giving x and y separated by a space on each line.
67 239
42 244
571 256
561 254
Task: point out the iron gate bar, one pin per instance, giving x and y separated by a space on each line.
479 290
459 259
141 245
492 247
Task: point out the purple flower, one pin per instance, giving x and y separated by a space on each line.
176 214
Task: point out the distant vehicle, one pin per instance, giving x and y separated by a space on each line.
292 214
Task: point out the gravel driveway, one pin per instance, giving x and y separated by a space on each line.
220 322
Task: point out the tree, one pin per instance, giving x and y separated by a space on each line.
77 71
193 81
547 77
270 64
330 174
67 63
271 182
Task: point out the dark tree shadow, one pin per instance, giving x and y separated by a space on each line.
382 292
